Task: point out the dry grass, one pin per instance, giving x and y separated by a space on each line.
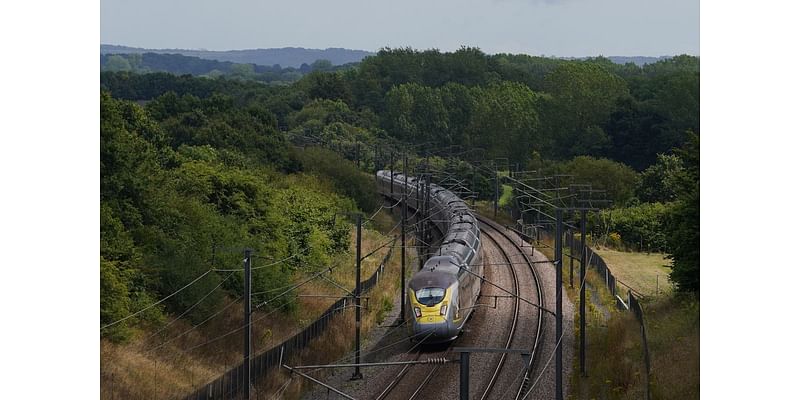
673 333
130 371
645 272
615 353
486 209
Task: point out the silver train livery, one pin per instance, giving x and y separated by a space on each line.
442 295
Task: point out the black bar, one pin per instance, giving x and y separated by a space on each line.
583 293
464 378
357 373
403 244
571 254
559 316
391 173
248 331
496 190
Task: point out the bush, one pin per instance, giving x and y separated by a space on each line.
346 178
638 227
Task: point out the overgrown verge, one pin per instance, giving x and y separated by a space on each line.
615 353
337 344
673 333
176 361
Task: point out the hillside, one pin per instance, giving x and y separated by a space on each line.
285 57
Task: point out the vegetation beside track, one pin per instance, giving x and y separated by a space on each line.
129 371
614 351
647 273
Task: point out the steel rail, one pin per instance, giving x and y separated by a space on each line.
511 332
540 298
514 321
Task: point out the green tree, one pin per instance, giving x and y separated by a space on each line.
326 85
243 71
618 180
505 121
683 223
117 63
416 114
659 182
583 97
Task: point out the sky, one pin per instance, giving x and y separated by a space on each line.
561 28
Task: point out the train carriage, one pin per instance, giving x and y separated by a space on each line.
441 295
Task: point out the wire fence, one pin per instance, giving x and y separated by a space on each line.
597 262
230 384
633 304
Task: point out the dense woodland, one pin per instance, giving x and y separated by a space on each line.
192 167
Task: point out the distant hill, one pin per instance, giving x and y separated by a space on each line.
285 57
638 60
180 64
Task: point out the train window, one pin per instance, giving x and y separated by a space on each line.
430 296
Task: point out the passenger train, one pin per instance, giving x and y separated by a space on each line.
442 295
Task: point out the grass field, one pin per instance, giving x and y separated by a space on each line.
647 273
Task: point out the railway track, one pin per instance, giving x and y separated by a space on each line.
523 387
515 318
412 386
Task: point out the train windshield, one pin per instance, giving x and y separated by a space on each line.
430 296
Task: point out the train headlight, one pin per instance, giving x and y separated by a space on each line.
417 312
443 310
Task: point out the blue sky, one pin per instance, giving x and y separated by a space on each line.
539 27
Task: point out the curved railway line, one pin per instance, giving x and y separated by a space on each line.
529 368
408 385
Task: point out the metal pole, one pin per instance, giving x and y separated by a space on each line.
420 192
496 190
464 378
391 172
403 246
583 293
474 186
572 255
357 373
248 328
559 316
427 213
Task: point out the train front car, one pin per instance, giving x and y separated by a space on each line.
433 298
442 295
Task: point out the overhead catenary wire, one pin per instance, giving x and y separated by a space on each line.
158 302
190 308
318 274
381 207
234 330
266 265
194 327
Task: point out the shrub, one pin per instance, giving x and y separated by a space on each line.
639 227
347 179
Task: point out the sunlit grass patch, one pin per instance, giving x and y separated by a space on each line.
645 272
